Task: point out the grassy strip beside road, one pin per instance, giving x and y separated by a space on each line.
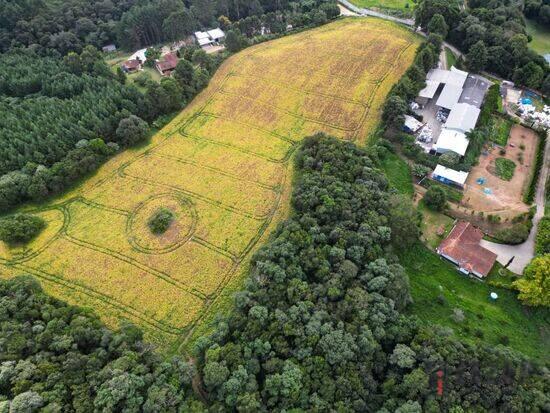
398 174
451 58
403 5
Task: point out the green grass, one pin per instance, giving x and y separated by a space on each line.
501 130
505 168
540 35
451 58
398 174
431 222
404 5
527 329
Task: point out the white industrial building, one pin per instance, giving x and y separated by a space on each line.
452 80
449 176
451 140
210 37
463 117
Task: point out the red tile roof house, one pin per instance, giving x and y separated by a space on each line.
167 64
132 65
462 248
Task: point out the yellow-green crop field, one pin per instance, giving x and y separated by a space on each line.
223 167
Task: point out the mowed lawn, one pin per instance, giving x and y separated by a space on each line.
438 288
223 167
404 5
540 35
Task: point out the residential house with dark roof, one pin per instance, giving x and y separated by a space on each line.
167 64
132 65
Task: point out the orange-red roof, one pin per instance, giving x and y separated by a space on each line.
132 64
462 245
168 62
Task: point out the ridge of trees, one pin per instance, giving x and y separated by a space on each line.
492 35
70 25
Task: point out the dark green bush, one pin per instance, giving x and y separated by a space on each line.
20 228
435 198
161 220
514 235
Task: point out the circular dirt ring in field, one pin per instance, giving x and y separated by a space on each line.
178 233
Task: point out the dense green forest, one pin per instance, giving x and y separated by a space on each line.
62 358
48 106
538 10
319 326
57 94
70 25
492 34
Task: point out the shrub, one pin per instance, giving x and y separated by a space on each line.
420 171
504 340
514 235
533 287
542 243
20 228
478 333
160 221
458 315
530 193
435 198
505 168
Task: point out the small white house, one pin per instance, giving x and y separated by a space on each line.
449 176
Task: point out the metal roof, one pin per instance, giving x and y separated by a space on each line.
458 177
449 96
451 140
201 35
429 90
216 33
463 117
412 123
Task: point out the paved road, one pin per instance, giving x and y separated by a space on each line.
523 253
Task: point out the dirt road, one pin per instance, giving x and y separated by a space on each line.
524 253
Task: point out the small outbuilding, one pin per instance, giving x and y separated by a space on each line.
449 176
462 248
210 37
109 48
411 125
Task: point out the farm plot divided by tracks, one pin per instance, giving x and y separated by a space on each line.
223 167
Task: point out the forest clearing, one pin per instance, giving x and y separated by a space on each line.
222 167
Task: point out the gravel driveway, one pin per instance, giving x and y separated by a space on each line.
524 253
